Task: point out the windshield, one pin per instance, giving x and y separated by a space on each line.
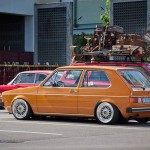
135 78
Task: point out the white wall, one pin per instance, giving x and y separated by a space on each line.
29 33
52 1
22 7
148 15
25 8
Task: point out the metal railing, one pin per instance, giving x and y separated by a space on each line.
8 72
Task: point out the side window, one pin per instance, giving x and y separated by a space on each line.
25 78
95 78
53 79
64 78
71 78
39 78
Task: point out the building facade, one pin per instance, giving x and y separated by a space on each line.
132 15
34 31
40 31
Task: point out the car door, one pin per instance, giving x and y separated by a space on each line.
59 93
95 85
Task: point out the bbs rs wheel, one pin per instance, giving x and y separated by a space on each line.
106 113
21 109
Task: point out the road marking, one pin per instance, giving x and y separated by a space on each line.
5 117
29 132
79 125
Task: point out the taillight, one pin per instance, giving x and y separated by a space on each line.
135 100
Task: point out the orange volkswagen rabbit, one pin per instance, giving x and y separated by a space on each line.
106 93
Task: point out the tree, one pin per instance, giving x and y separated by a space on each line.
105 17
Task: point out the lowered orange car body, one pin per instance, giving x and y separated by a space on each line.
106 93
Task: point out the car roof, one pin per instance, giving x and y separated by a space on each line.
109 63
38 71
96 67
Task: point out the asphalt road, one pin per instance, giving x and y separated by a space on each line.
71 134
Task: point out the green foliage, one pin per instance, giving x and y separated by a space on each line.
79 39
105 17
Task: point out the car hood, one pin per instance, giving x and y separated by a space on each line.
7 87
27 90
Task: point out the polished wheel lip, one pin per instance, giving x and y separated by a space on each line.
19 108
105 112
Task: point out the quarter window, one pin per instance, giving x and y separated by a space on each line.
135 78
95 78
141 69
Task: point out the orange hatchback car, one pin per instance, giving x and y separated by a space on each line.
106 93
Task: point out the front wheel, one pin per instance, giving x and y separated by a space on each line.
107 113
21 109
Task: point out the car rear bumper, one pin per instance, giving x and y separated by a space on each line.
134 110
1 103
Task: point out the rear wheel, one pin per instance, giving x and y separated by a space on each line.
21 109
107 113
142 120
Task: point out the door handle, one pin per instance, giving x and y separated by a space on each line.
73 91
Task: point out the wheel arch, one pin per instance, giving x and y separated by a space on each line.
23 98
22 113
101 101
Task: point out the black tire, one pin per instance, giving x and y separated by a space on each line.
107 113
2 108
21 109
142 120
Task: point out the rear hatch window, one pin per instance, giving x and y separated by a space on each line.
141 69
135 79
148 65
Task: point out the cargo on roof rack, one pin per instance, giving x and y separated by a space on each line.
110 44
